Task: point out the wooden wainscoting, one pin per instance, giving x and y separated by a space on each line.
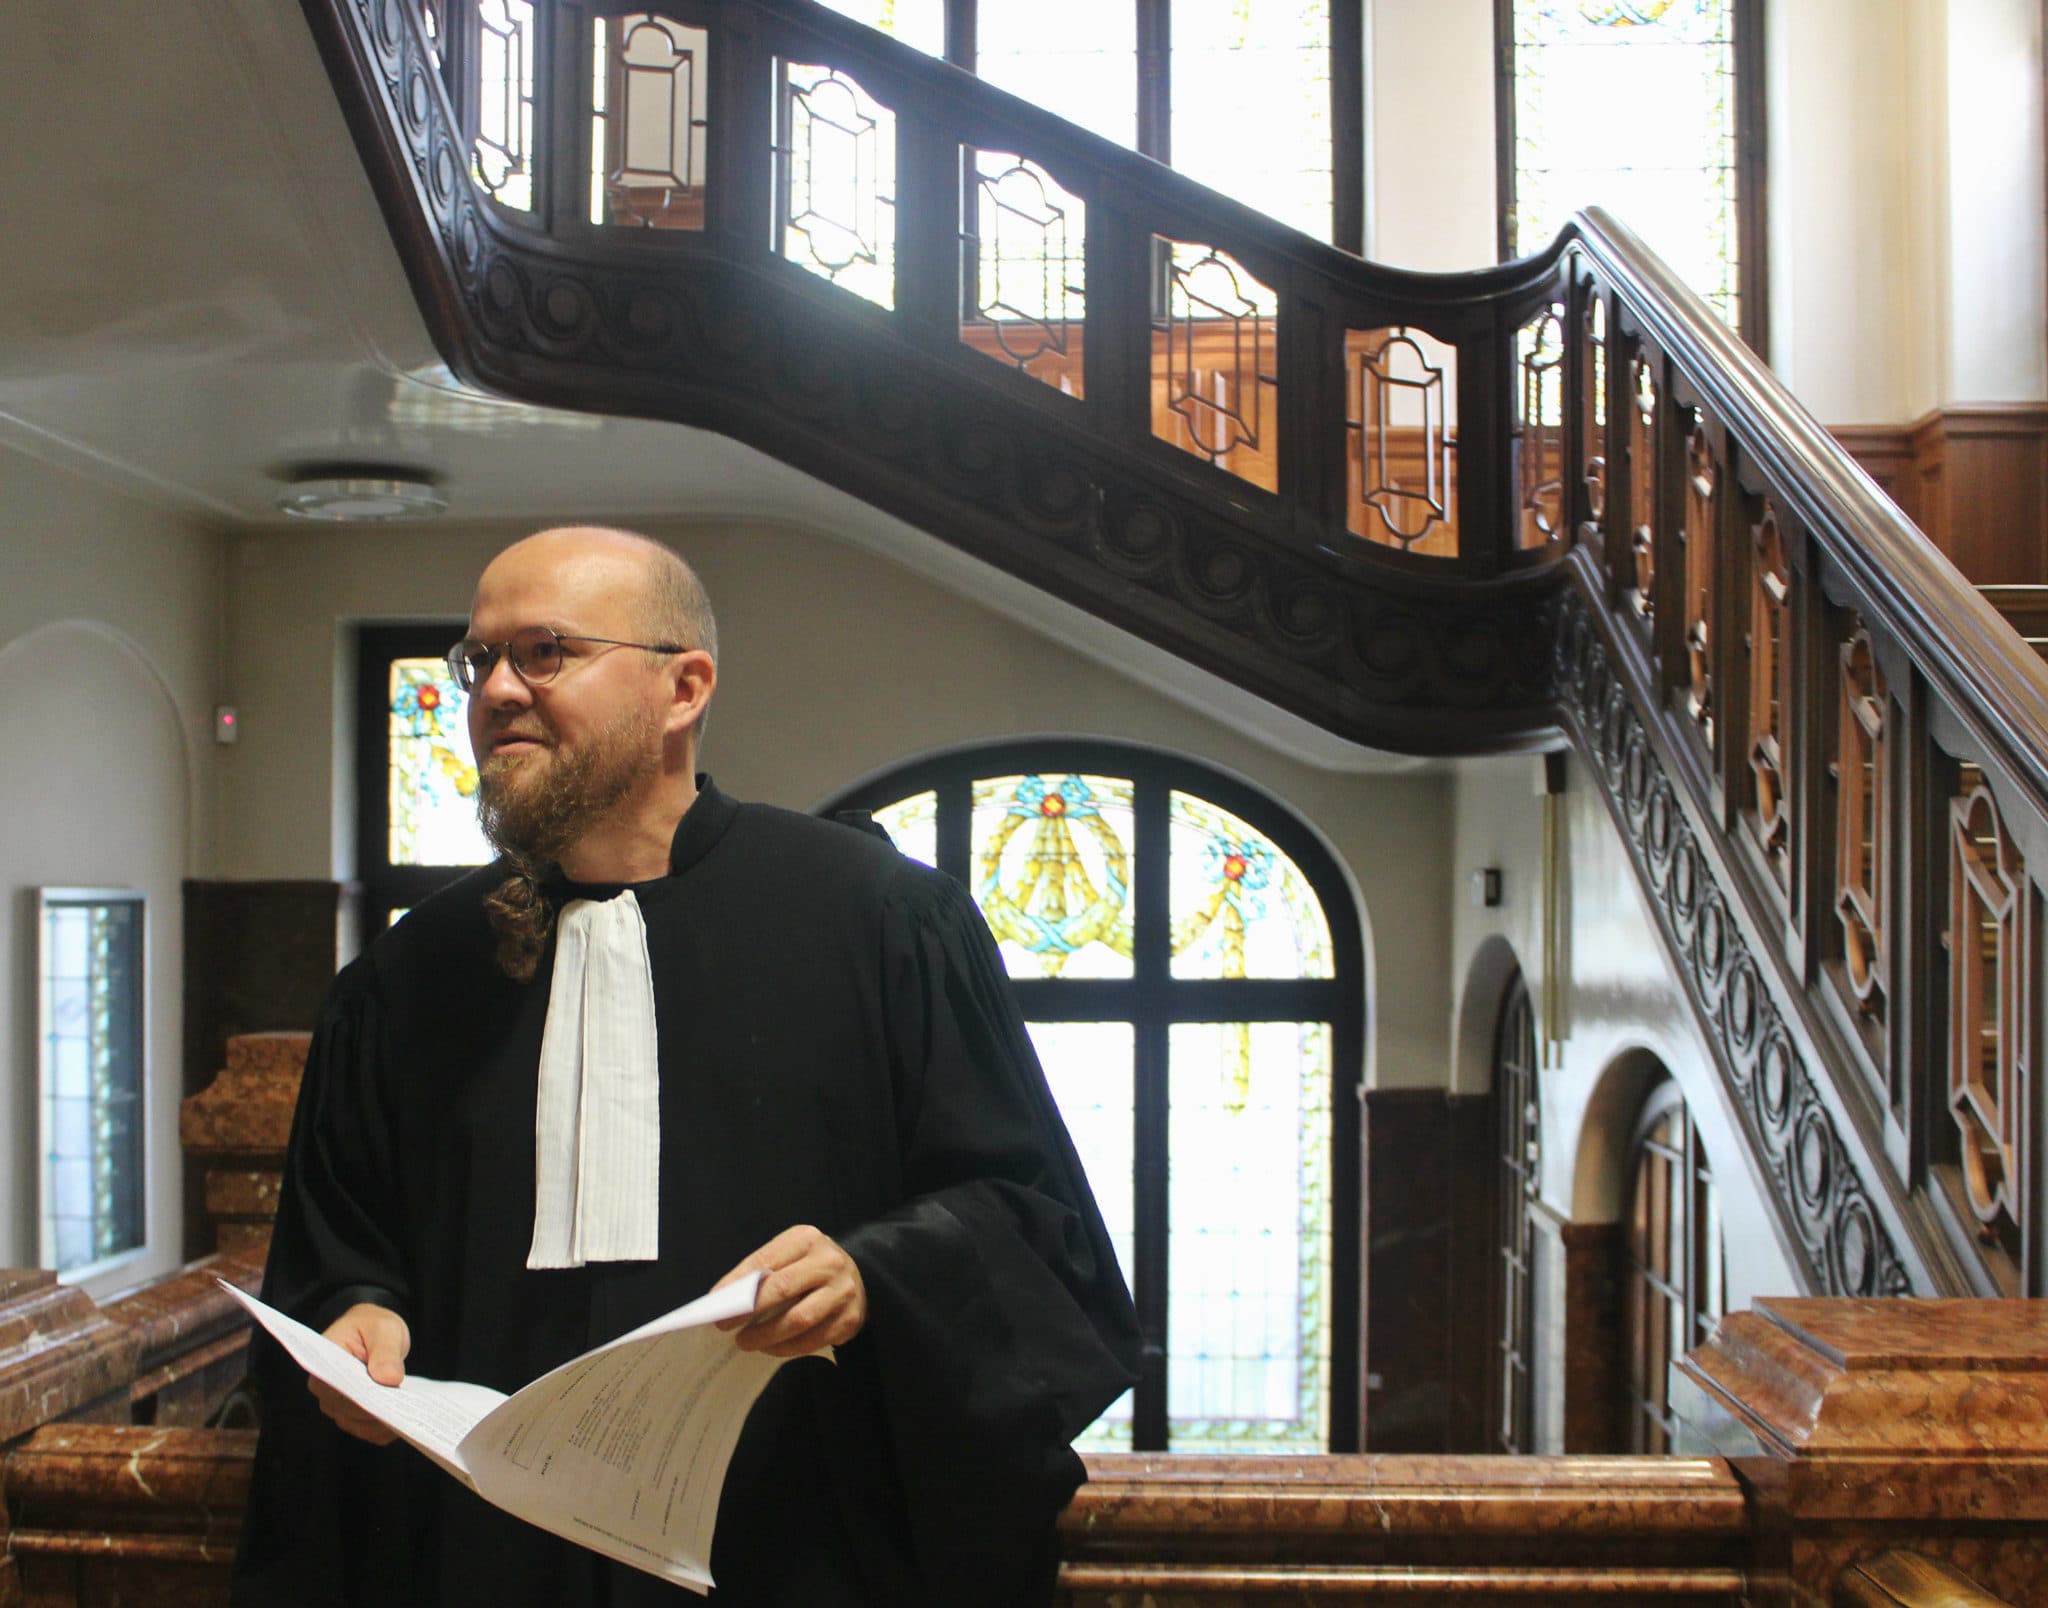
1975 478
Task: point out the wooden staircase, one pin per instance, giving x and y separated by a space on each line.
1550 502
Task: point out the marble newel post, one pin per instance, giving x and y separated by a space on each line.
113 1487
1862 1426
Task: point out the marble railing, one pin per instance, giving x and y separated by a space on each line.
1216 1532
1822 1435
117 1484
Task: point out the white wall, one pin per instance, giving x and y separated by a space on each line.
109 621
1429 135
837 664
1996 350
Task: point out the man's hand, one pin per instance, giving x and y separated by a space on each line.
810 1298
377 1337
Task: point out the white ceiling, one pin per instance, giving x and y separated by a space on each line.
198 294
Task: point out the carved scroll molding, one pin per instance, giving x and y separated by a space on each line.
731 343
1816 1176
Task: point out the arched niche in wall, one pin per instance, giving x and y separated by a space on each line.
1493 967
97 792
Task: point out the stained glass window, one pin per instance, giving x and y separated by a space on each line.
1189 962
1076 58
1248 1259
913 825
1251 104
920 24
1090 1067
1241 908
1052 872
1630 105
433 778
92 1075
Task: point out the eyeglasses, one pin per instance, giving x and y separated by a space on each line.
535 652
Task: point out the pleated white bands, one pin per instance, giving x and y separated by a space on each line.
597 1122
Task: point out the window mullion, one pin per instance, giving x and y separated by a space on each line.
1155 89
1149 1235
1151 924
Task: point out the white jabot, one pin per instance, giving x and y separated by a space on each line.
597 1121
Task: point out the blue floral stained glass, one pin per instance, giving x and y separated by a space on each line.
1240 906
433 778
1248 1238
1251 104
1630 105
1052 873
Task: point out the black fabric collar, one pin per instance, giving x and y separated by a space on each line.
703 824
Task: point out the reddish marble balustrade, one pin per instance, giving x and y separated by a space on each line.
1220 1532
93 1508
1861 1427
236 1129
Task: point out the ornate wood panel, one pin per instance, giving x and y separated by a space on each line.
1223 540
1817 1172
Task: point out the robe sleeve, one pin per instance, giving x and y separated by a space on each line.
319 1502
998 1320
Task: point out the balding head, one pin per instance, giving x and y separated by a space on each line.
651 594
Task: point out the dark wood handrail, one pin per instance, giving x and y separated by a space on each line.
1971 655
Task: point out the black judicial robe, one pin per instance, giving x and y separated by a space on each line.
838 1046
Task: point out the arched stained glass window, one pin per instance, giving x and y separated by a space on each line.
1187 957
1646 108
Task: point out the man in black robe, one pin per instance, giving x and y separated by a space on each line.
847 1101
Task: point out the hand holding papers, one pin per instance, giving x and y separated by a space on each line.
624 1450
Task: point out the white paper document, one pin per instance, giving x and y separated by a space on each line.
623 1450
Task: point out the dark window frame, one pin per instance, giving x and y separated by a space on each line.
1518 1140
1152 1001
1652 1425
387 887
1752 239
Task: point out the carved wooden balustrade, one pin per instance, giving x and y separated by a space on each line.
1065 358
1454 513
1826 754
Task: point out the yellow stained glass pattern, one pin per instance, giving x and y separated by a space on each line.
1052 872
1240 907
913 825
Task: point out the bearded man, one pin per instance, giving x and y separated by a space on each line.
665 1040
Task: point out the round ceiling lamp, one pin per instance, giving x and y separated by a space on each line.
365 497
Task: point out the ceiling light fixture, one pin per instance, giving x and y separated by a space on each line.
361 497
